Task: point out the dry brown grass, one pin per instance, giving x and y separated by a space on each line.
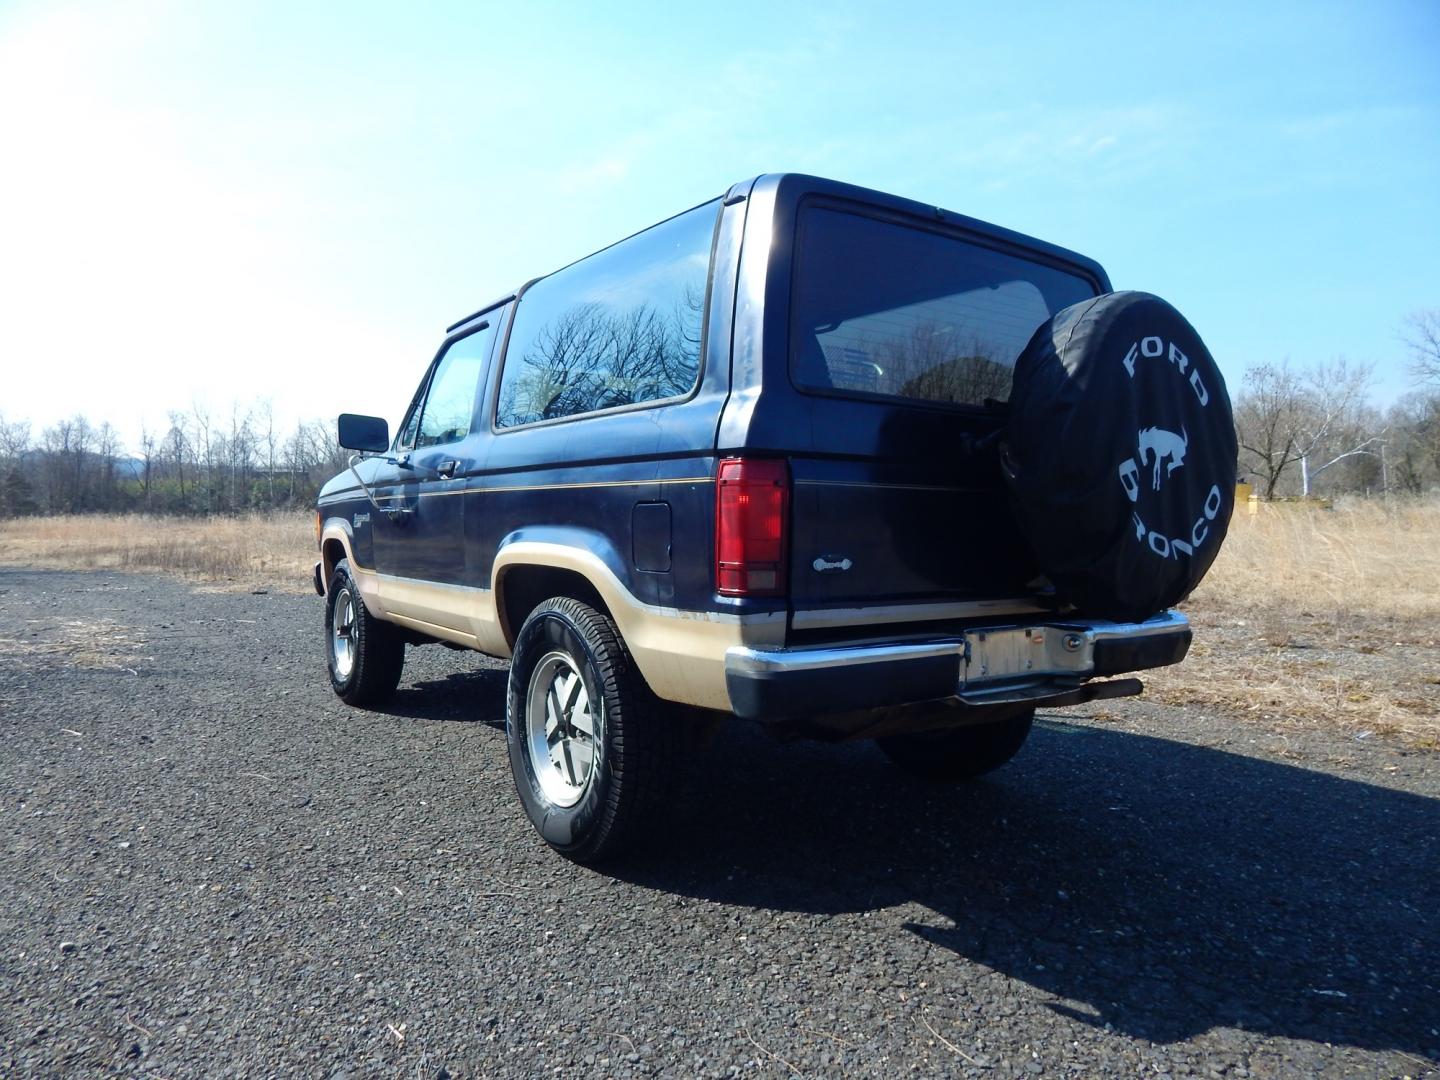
1361 558
1321 617
98 643
1308 617
252 551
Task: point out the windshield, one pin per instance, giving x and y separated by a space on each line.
885 309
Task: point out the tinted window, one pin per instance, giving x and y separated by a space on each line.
881 308
450 402
618 328
406 439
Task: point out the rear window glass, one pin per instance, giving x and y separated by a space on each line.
888 310
618 328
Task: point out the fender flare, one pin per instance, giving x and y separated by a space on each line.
338 529
586 552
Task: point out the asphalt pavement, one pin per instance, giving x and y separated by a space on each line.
211 867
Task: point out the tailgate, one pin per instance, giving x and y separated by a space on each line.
902 339
868 532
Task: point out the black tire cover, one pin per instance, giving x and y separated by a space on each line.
1120 454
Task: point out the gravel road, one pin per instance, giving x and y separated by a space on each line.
210 867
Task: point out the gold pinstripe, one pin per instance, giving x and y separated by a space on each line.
550 487
669 480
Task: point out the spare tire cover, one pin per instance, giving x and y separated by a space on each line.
1120 454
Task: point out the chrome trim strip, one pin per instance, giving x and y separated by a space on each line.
744 660
823 618
1168 622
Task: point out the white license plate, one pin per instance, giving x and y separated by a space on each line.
1008 652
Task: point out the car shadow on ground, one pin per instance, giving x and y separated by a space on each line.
465 696
1153 885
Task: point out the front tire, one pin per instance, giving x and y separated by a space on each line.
959 753
589 746
364 655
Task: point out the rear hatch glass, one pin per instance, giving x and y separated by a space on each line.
881 309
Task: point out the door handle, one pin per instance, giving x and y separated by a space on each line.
446 469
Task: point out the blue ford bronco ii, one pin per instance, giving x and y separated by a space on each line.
830 460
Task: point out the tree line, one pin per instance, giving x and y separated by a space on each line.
1315 430
1302 430
198 462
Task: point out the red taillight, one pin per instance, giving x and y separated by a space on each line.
751 497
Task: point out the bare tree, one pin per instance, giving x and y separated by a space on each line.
1342 425
14 438
1414 443
239 452
147 462
65 452
1285 418
204 446
176 449
1422 334
77 466
1268 415
271 441
107 449
16 497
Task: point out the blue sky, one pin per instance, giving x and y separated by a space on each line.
216 202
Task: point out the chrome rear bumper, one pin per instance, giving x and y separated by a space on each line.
996 665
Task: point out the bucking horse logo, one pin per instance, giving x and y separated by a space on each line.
1162 444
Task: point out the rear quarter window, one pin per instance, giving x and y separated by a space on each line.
888 310
619 328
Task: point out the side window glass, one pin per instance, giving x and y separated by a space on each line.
405 440
618 328
450 402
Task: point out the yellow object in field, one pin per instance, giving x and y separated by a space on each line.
1245 493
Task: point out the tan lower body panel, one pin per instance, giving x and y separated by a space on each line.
456 613
681 654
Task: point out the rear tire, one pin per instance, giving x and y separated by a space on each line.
590 748
959 753
365 655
